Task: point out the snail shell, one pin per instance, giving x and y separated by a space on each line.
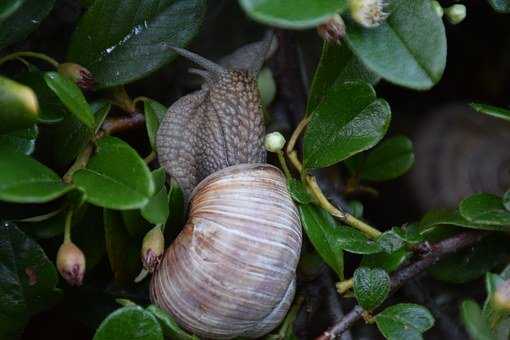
459 152
231 271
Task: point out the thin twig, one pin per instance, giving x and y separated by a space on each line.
437 251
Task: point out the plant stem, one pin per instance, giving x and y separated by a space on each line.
437 252
150 157
41 56
283 164
67 230
344 286
80 163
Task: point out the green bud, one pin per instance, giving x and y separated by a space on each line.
456 14
153 247
274 142
71 263
19 108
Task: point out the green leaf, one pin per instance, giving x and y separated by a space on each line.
138 41
355 241
154 114
27 281
389 262
19 108
473 262
170 328
337 65
298 191
409 233
475 322
22 141
157 210
408 49
502 6
450 217
348 121
294 14
404 321
371 287
177 216
51 109
388 160
24 180
390 241
72 97
485 209
323 232
106 181
8 7
490 110
123 250
23 21
506 200
267 86
131 322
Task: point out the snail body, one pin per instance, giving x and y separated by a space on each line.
231 271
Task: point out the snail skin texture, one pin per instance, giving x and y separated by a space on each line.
232 270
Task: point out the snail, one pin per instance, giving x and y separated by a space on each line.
459 152
232 270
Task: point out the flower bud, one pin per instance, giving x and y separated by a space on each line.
332 31
456 13
274 142
438 8
71 263
502 297
153 247
77 73
19 107
368 13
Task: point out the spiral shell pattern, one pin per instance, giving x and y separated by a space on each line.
231 271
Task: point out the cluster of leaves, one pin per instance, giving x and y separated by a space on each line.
116 197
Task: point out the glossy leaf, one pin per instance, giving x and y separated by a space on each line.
25 180
390 241
409 233
473 262
154 114
8 7
490 110
71 96
485 209
408 49
22 141
176 218
389 262
23 21
324 233
137 42
337 65
170 328
131 322
404 321
107 183
27 281
298 191
51 109
502 6
388 160
122 249
355 241
292 13
371 287
476 324
19 108
451 217
348 121
157 209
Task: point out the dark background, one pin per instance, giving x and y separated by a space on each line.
478 69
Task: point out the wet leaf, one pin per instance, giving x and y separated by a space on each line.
371 286
131 322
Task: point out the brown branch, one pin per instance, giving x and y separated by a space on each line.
437 251
121 124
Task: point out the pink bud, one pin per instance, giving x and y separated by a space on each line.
153 247
77 73
333 30
71 263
